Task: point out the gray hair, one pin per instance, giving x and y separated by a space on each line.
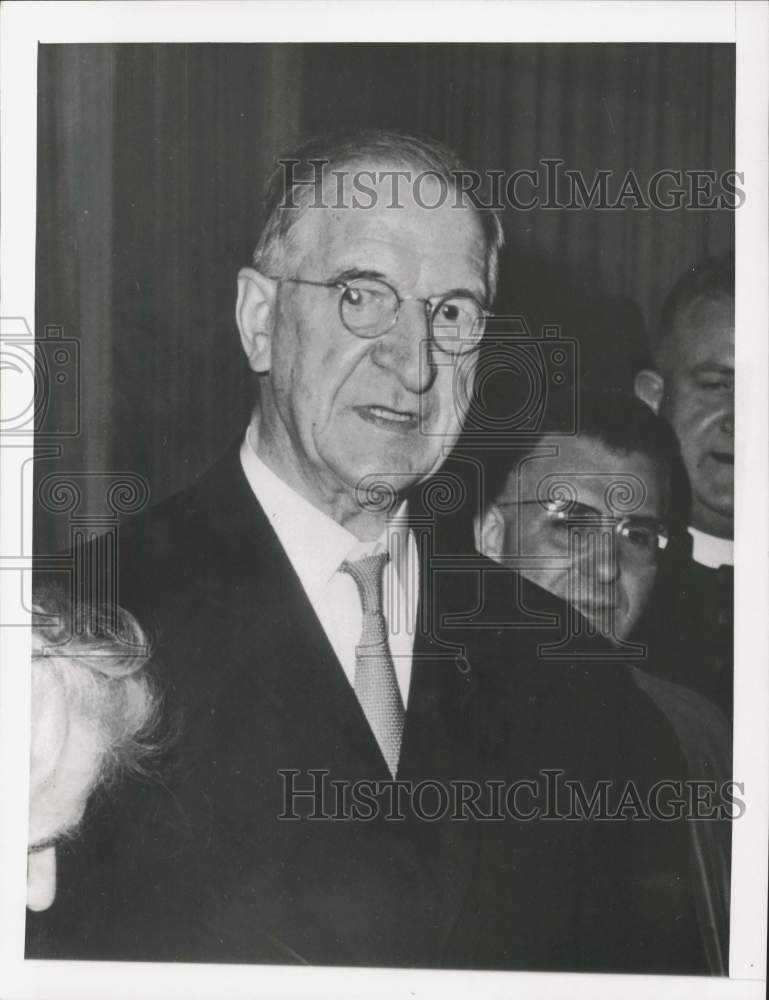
395 149
95 656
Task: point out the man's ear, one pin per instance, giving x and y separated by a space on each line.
253 314
649 387
490 532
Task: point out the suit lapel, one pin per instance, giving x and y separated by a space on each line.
296 670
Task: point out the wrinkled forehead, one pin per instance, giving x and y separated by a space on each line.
589 472
415 231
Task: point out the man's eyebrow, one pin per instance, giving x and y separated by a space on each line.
473 294
577 507
350 273
573 507
712 366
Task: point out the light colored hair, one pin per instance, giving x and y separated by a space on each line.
95 657
374 148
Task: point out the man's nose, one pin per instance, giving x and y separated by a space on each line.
405 348
604 557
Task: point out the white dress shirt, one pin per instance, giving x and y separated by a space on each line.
316 547
709 550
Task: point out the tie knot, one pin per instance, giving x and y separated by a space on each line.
367 574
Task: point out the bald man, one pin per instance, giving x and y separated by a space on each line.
692 386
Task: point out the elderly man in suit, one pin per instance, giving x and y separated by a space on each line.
314 646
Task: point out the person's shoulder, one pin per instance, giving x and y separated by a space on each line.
537 616
679 571
701 727
217 488
686 593
518 633
179 547
544 672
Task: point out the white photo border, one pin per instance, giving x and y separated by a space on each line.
23 25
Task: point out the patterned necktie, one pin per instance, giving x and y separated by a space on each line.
376 685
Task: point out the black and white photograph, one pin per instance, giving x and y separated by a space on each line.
384 496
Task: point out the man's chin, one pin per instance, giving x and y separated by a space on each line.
715 515
716 491
612 622
400 466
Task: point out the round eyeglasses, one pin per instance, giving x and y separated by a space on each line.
564 524
369 307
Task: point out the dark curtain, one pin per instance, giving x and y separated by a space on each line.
150 161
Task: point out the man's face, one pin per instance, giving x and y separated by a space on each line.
339 407
65 757
609 582
698 402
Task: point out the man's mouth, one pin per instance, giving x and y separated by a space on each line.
725 457
592 609
388 418
595 605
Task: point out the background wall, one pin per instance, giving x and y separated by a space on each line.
150 162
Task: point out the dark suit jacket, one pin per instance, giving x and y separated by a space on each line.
706 740
688 626
198 865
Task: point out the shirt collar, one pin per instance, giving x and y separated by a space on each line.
314 543
709 550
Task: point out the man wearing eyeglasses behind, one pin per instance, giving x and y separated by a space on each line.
585 516
310 639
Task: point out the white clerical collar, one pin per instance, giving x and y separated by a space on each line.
710 550
315 544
